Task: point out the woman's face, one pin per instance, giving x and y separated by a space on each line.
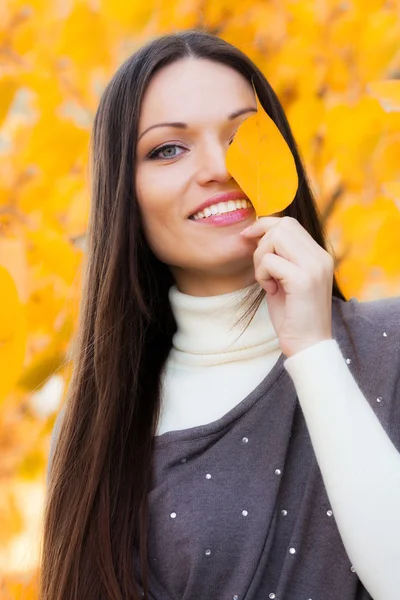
190 113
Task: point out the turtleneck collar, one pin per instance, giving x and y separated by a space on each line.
207 332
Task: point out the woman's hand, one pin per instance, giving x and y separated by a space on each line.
297 276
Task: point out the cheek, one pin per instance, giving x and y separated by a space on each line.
157 191
153 202
158 198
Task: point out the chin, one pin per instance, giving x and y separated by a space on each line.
228 265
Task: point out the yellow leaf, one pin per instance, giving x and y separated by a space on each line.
392 190
32 464
50 360
12 333
385 159
51 253
261 162
182 14
352 274
55 145
76 220
387 92
23 586
130 16
13 259
352 133
87 51
8 87
306 116
11 519
9 305
376 44
385 250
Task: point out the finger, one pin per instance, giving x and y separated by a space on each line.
288 246
292 242
260 227
287 225
273 267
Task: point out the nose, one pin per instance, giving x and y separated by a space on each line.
211 163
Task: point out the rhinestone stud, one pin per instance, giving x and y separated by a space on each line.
208 552
208 476
284 512
292 550
272 596
329 513
245 440
379 399
278 471
244 513
348 361
173 515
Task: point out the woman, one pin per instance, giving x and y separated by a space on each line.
197 459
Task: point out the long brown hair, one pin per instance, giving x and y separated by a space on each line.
96 512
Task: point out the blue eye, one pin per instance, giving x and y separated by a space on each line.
167 148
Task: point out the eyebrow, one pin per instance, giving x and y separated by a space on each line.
180 125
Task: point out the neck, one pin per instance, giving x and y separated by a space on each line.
208 329
205 284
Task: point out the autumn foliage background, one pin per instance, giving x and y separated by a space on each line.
335 66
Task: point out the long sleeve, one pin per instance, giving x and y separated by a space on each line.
359 464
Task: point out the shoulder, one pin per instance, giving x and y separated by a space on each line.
368 334
368 323
376 313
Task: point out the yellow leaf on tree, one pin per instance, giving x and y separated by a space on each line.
387 92
262 164
385 159
8 87
385 249
53 254
86 51
12 333
351 275
13 259
392 189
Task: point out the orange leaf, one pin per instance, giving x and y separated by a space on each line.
261 162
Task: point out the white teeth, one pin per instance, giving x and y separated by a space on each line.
222 207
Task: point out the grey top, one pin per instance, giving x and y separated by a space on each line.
238 508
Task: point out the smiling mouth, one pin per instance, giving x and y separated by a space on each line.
221 208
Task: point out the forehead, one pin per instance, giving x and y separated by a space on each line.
194 89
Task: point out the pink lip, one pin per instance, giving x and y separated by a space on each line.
229 218
224 197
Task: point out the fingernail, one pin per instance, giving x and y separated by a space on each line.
245 230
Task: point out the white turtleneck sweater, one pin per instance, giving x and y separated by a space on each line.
214 368
207 360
